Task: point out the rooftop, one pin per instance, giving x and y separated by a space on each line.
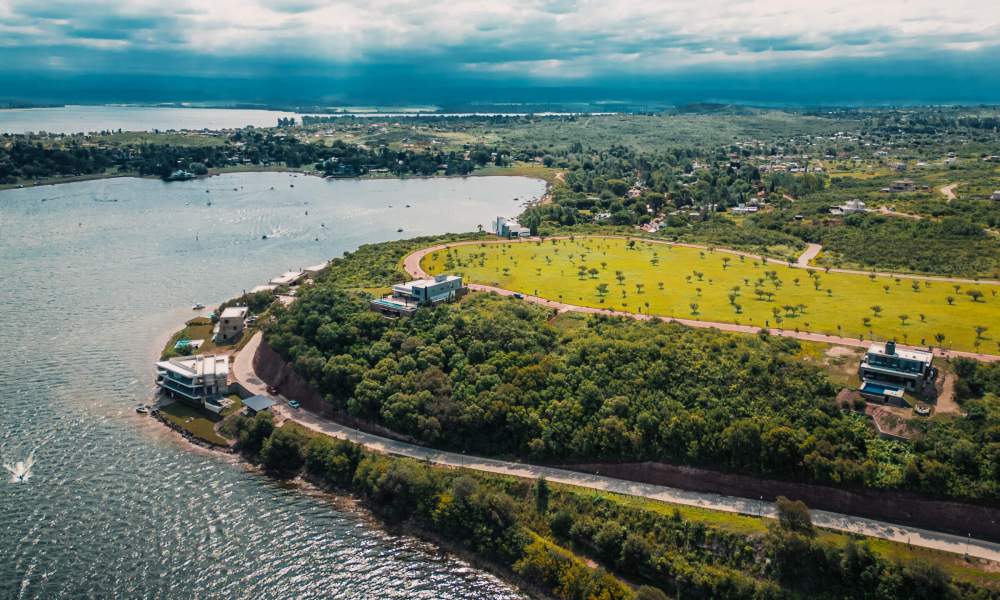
918 355
196 366
258 403
287 278
234 312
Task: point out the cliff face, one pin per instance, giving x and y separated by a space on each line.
897 507
273 370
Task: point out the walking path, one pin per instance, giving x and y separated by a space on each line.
411 264
244 373
812 251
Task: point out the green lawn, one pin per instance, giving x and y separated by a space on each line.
200 423
697 284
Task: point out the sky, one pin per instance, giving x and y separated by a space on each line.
407 51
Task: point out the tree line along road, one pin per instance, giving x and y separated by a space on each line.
246 375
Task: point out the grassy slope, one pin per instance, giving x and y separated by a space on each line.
851 299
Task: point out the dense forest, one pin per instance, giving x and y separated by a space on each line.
497 376
546 535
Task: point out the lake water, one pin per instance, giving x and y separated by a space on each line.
95 275
85 119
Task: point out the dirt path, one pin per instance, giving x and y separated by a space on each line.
946 403
411 264
840 522
885 210
812 250
949 191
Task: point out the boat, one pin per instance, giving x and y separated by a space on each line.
400 230
197 306
142 409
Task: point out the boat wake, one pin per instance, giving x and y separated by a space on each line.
20 472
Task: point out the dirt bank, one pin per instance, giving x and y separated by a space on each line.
898 507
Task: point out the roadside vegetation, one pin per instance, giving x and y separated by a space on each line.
577 544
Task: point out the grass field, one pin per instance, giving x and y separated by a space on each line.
719 286
198 422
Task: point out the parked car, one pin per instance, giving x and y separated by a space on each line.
294 404
519 296
272 390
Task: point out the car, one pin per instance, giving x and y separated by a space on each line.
519 296
294 404
272 390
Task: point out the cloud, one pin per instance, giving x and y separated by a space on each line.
541 39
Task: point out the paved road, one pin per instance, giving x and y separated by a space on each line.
412 266
244 373
812 250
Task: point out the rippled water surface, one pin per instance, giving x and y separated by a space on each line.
95 275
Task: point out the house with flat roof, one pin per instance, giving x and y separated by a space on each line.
230 326
314 270
996 195
287 278
901 185
199 380
510 228
849 208
887 372
407 297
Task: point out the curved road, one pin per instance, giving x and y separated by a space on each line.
411 264
244 373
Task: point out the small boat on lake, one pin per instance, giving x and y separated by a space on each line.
197 306
142 409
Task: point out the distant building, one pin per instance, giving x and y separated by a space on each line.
407 297
509 228
288 278
180 175
901 185
197 380
314 270
996 195
230 326
267 287
887 372
849 208
743 209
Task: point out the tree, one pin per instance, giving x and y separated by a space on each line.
980 330
876 310
903 318
284 451
975 295
939 338
541 496
793 515
950 299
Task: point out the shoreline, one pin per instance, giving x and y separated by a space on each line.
347 501
268 169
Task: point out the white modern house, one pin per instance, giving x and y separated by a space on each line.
230 326
996 195
198 380
887 372
288 278
407 297
849 208
510 228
